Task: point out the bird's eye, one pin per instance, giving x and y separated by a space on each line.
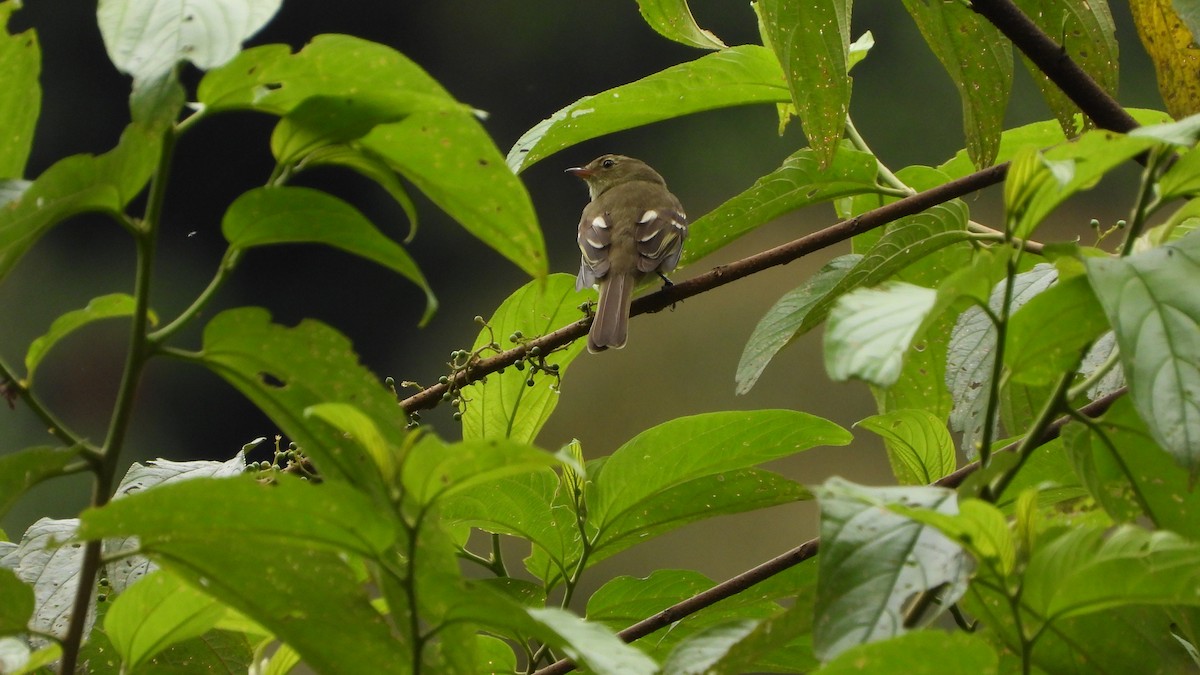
608 163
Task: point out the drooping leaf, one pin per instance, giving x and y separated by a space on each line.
873 561
919 447
284 371
292 215
979 61
146 38
23 469
1148 300
154 614
737 76
103 307
515 404
20 93
673 19
799 182
870 329
77 184
321 121
365 163
812 41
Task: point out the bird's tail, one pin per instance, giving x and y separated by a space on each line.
610 327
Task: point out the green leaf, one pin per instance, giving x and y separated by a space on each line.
433 470
271 79
1149 301
979 527
356 426
77 184
23 469
204 531
688 448
673 20
919 446
103 307
1127 472
369 166
1087 36
590 644
782 323
799 182
292 215
321 121
1037 353
737 76
979 61
216 651
284 371
736 647
971 354
873 561
1183 178
871 328
811 41
506 405
20 94
146 38
17 608
450 157
911 654
155 613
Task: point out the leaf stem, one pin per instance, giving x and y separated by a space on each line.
1000 322
1033 439
886 177
11 385
1147 202
135 361
228 263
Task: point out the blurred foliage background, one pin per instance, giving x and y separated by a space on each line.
520 60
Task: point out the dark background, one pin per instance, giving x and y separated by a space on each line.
520 60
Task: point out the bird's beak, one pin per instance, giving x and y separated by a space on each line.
579 172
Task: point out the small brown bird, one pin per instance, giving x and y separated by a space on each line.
633 226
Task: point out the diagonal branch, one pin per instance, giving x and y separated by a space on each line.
808 549
724 274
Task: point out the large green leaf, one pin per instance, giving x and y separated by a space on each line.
1088 37
910 654
103 307
23 469
206 531
870 329
155 613
739 646
1150 302
20 94
77 184
433 469
1037 353
515 404
689 448
591 644
296 215
979 61
284 371
1127 472
919 446
18 604
799 182
673 19
812 41
321 121
146 38
737 76
873 561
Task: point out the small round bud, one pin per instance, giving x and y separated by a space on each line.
457 417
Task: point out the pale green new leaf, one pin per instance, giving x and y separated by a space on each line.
871 328
297 215
811 39
155 613
505 404
104 307
673 19
873 561
919 446
738 76
799 182
20 94
433 470
146 38
1150 303
979 61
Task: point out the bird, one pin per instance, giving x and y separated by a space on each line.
633 226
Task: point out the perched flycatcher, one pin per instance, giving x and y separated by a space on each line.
632 227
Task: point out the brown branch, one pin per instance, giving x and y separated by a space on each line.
808 549
724 274
1051 58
